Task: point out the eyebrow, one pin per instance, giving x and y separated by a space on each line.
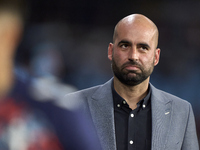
124 42
143 44
129 43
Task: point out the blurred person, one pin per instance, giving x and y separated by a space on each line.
16 124
128 111
27 124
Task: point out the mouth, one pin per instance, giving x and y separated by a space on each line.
131 67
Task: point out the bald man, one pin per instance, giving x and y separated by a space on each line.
128 112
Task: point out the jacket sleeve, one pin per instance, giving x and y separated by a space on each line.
190 141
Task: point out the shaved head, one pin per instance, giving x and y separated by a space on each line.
135 42
136 21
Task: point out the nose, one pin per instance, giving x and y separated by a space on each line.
133 54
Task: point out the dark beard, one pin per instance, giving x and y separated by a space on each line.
124 77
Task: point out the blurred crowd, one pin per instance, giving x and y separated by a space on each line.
60 46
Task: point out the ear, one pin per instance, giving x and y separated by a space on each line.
110 51
157 56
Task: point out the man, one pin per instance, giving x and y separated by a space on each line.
129 113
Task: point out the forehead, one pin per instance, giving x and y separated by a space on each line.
135 32
136 28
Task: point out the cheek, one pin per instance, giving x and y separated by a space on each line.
148 61
119 58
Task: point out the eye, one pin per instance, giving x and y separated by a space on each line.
124 46
143 47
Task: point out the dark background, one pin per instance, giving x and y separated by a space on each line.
77 33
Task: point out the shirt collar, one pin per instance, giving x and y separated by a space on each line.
142 103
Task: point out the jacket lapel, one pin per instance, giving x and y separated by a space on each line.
161 119
102 111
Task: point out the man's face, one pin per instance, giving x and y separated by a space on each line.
133 54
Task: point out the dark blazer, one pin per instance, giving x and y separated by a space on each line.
173 125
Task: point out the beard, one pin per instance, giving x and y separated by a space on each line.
131 77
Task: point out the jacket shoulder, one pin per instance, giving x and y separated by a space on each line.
83 93
78 99
166 97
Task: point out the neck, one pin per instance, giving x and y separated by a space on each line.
132 94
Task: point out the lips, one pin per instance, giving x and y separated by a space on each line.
131 67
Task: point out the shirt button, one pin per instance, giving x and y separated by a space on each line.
132 115
131 142
143 106
124 102
118 105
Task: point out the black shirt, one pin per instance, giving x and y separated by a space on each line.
132 127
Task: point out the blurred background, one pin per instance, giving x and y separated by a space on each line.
64 45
